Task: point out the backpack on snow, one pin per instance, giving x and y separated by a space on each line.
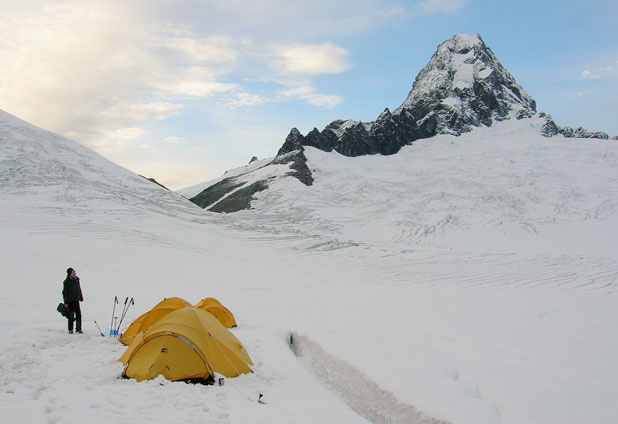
64 311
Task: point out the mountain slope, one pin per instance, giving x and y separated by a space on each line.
36 161
506 186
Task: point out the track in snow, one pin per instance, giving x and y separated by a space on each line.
361 394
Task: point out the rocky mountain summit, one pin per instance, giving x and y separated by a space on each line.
462 87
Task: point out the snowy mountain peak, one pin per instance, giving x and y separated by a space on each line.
463 41
463 86
465 82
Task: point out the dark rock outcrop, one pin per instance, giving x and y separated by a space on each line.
216 191
550 129
152 180
240 199
299 167
235 193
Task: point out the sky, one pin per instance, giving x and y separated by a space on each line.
183 91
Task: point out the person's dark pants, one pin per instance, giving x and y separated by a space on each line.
75 315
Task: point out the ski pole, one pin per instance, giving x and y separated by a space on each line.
124 313
126 299
95 323
124 310
111 325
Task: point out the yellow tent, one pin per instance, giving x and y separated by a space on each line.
152 316
212 305
187 344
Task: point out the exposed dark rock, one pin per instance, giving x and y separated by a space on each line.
522 114
550 129
298 165
253 159
216 191
214 199
582 133
294 141
155 181
240 199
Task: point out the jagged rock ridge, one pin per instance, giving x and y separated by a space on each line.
550 129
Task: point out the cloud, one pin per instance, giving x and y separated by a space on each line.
245 99
604 71
175 140
111 74
128 133
283 19
195 50
140 112
298 63
310 59
433 7
589 75
309 95
583 92
191 86
97 70
355 17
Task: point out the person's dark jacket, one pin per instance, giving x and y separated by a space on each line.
72 292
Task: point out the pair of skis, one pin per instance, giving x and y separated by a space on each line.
115 324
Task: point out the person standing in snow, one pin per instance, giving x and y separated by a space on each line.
72 295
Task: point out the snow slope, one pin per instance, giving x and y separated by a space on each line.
466 279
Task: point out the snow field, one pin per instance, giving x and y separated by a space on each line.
465 280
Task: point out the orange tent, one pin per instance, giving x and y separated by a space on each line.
212 305
187 344
151 317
